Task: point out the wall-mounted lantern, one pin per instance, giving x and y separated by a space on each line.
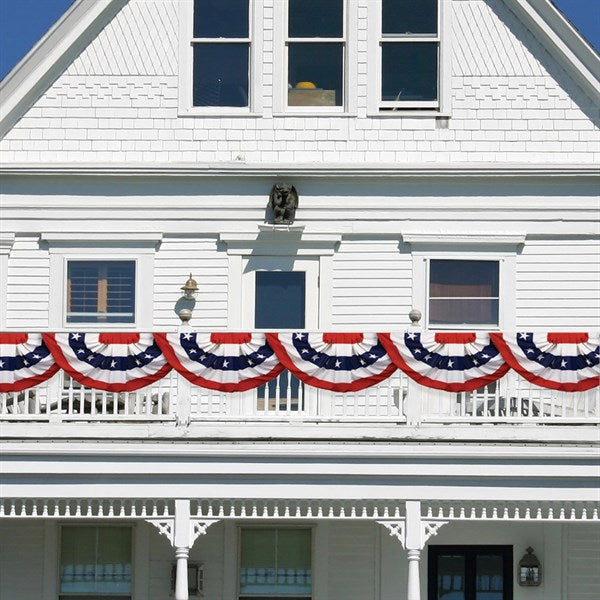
530 569
190 288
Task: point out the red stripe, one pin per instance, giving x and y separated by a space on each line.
230 338
342 338
13 338
355 386
460 337
467 386
29 382
577 337
119 338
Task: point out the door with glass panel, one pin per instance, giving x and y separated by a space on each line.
470 573
281 294
275 563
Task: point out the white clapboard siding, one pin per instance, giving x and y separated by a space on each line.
21 564
371 285
583 562
351 561
174 262
118 102
27 285
558 283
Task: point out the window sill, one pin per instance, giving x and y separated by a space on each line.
314 113
410 112
226 114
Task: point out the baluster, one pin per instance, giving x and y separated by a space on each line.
3 407
278 393
288 395
301 398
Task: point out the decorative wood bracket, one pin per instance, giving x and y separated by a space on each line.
397 529
165 527
198 527
430 529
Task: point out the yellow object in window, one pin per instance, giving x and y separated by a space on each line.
305 85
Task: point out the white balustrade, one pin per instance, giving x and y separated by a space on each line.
511 399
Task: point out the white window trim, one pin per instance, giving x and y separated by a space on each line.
485 247
280 64
439 108
126 248
186 107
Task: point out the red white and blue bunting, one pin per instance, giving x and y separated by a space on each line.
454 362
25 361
228 362
115 362
341 362
569 362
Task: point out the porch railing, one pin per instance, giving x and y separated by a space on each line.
395 400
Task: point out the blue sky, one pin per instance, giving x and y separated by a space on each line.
24 22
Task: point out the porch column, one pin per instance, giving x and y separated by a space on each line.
413 545
182 543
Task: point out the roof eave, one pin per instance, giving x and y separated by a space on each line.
48 59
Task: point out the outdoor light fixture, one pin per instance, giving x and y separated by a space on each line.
190 288
530 569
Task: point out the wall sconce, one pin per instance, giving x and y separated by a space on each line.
530 569
195 579
190 288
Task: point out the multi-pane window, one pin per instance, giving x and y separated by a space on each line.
275 564
101 291
463 292
315 52
470 573
221 47
95 563
410 54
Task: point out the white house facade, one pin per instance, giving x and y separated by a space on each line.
195 194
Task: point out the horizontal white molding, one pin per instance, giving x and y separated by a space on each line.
79 236
314 170
464 238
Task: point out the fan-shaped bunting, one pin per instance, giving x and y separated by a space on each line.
229 362
454 362
342 362
568 362
25 361
115 362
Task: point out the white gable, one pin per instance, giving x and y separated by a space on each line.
511 102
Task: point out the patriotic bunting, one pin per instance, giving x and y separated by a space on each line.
115 362
25 361
342 362
228 362
454 362
568 362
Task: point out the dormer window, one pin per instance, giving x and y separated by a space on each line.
221 53
410 54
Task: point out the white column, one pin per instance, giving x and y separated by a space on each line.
414 584
182 543
181 574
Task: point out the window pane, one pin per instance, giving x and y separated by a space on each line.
259 548
457 311
409 71
319 66
221 18
489 580
316 18
101 291
464 278
451 578
293 549
96 560
221 74
409 16
280 298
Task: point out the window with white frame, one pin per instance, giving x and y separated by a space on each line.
464 292
100 291
316 51
95 562
410 54
275 563
221 53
